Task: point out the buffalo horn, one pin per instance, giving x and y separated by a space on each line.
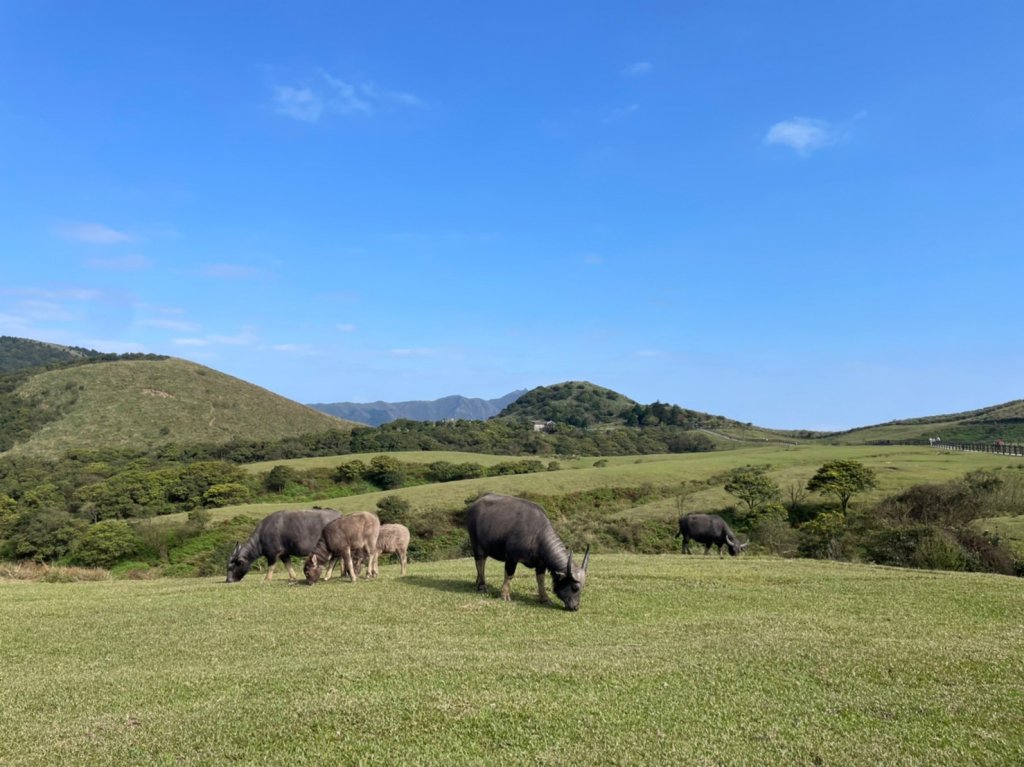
568 567
586 558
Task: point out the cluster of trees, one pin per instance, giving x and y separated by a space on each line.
47 507
929 526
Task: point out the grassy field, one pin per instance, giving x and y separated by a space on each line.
897 468
694 660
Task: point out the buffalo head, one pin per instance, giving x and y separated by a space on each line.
312 569
569 585
238 565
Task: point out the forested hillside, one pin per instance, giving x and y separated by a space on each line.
21 353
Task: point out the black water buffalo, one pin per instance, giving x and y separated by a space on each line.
281 535
514 531
711 530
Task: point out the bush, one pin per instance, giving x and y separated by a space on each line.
104 543
392 509
226 494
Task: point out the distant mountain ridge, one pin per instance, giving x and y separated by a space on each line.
455 406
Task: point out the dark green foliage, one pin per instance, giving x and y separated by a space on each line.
386 472
104 544
392 509
21 353
43 535
279 477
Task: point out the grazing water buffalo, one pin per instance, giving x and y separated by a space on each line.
281 535
340 539
513 531
711 530
394 539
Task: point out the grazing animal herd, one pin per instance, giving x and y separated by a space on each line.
511 530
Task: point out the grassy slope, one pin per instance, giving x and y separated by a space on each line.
987 424
670 660
897 467
141 403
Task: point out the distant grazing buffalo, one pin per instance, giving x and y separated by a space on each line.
281 535
514 531
343 538
711 530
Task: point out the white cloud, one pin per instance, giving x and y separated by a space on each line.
804 134
129 263
326 94
241 339
638 68
95 234
298 103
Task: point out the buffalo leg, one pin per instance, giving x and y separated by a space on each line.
481 584
271 564
707 548
506 587
686 545
542 593
330 568
350 566
403 558
291 570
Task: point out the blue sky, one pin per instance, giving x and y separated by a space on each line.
799 214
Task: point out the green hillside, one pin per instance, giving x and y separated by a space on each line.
21 353
580 403
140 404
1005 422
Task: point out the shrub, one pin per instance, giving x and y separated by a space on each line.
393 508
226 494
104 543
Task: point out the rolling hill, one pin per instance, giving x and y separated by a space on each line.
1005 422
22 353
456 406
143 403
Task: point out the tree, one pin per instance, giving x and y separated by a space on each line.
104 543
279 477
843 479
392 508
753 486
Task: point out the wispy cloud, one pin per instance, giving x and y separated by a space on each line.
805 134
324 94
621 113
244 338
179 326
299 103
346 328
95 234
421 352
231 271
638 69
130 263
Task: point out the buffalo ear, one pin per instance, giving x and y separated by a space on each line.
234 551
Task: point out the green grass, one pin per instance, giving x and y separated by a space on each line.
897 468
139 404
694 660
